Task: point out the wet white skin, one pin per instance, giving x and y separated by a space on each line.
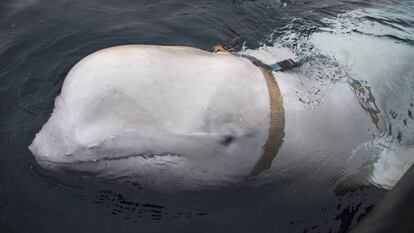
338 138
183 118
162 116
386 66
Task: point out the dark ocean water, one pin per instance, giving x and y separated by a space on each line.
41 40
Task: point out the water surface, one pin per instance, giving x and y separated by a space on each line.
367 41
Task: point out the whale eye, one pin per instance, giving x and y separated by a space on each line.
227 140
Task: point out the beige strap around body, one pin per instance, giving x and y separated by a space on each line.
277 119
277 124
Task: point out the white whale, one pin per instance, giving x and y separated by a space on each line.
164 116
182 118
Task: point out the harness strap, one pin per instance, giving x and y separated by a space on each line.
277 125
278 66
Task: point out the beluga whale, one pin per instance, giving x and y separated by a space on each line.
170 117
181 118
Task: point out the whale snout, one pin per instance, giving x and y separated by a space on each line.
48 150
51 156
43 156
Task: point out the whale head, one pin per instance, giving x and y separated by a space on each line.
191 120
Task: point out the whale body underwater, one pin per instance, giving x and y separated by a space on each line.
183 118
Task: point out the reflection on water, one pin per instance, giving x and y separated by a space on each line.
137 211
349 121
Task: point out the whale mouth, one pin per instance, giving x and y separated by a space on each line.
146 155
